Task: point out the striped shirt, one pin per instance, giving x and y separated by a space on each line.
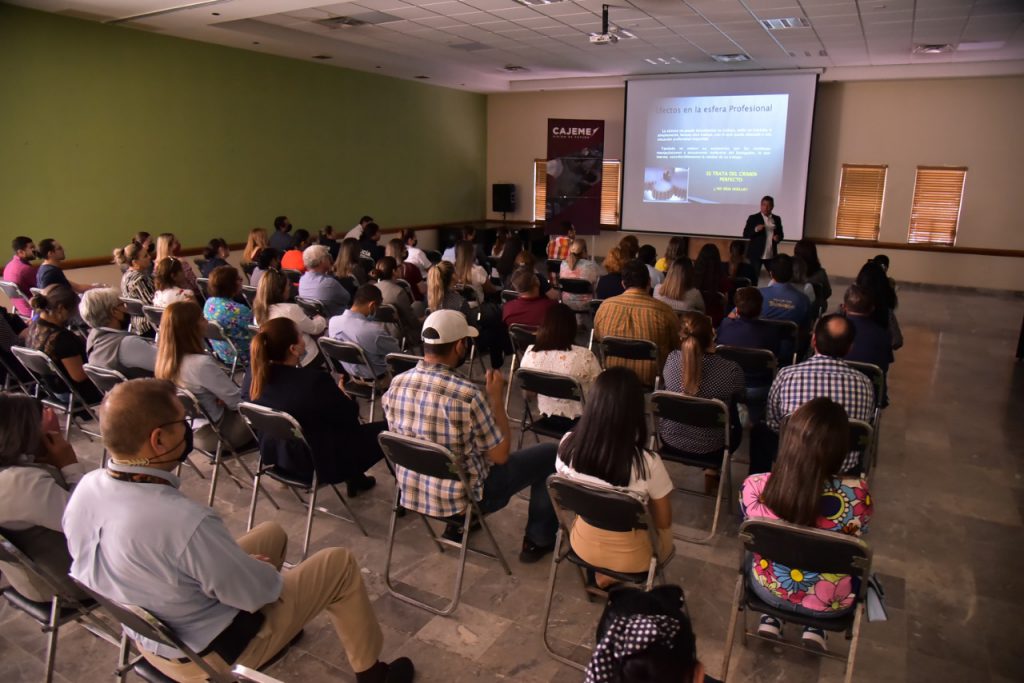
637 315
822 376
433 403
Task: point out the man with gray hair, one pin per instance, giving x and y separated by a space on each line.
109 344
317 283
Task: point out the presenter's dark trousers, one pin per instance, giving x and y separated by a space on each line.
758 264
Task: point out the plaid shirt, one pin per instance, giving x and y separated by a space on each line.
558 247
822 376
433 403
637 315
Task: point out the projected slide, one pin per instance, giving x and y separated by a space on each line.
700 152
715 150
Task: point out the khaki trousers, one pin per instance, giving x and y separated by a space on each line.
329 580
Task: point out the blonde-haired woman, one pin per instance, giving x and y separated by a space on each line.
467 272
168 246
136 283
696 370
181 358
440 293
272 302
577 265
254 244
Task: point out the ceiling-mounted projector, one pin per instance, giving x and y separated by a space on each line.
603 38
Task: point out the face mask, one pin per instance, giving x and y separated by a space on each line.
187 441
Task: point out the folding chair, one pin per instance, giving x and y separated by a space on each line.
755 363
293 275
789 332
312 307
64 607
404 284
877 377
248 268
15 374
104 379
468 292
154 315
862 439
628 349
740 282
609 509
12 292
432 460
550 385
812 550
338 354
554 266
278 425
204 286
593 305
522 337
576 286
214 332
55 390
249 293
244 673
704 413
508 295
400 362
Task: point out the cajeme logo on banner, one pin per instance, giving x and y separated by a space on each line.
574 170
561 132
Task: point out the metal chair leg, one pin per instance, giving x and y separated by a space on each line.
309 520
216 472
252 503
556 558
344 502
853 643
51 629
730 634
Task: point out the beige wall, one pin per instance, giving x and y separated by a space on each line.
970 122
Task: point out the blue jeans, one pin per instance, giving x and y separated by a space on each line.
527 467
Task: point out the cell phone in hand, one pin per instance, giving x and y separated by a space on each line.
50 424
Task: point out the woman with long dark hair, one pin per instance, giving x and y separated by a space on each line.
554 351
342 448
807 251
608 448
874 279
49 333
804 488
216 254
710 277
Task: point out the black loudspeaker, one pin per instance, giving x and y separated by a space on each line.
503 198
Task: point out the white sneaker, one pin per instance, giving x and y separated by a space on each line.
815 639
770 627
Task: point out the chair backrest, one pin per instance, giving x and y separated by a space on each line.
400 362
387 314
787 329
248 267
468 292
249 293
554 266
133 306
550 384
522 336
508 295
572 285
204 286
45 373
873 373
275 424
337 352
433 255
633 349
214 332
750 360
404 284
56 582
860 435
707 413
12 291
740 282
809 549
422 457
153 314
311 307
105 379
606 508
594 304
293 275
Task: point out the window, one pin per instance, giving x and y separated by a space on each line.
861 189
936 209
610 180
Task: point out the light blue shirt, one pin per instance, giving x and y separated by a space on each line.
149 545
326 289
372 336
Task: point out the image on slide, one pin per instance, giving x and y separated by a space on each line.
715 150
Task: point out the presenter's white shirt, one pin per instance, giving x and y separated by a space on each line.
355 233
769 231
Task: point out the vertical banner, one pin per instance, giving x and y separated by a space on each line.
575 154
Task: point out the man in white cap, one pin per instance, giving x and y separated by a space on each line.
434 403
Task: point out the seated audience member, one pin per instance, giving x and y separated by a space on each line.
629 247
13 332
824 374
745 329
292 259
55 306
267 259
406 270
413 254
368 243
804 487
676 248
342 448
441 295
50 272
109 345
649 256
610 284
502 237
357 325
330 239
356 233
136 282
135 538
577 265
677 290
282 239
468 234
254 244
509 253
170 283
233 317
872 342
317 283
396 296
635 314
873 279
530 308
559 244
801 283
215 255
525 259
468 273
21 272
608 448
738 265
181 358
555 352
696 370
168 246
709 276
38 469
646 637
783 301
814 274
434 403
347 265
272 302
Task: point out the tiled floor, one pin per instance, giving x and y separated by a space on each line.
947 539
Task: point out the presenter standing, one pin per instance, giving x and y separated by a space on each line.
764 230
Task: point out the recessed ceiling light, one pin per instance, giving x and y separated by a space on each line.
321 57
423 78
538 3
514 68
735 57
933 49
789 22
662 61
255 42
980 45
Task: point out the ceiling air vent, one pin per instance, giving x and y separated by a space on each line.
514 68
469 47
340 22
780 24
357 20
933 49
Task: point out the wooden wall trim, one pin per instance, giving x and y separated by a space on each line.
930 248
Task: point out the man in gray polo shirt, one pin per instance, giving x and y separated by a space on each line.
356 325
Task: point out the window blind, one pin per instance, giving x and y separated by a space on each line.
610 183
861 191
935 213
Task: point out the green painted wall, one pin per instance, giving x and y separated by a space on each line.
107 130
